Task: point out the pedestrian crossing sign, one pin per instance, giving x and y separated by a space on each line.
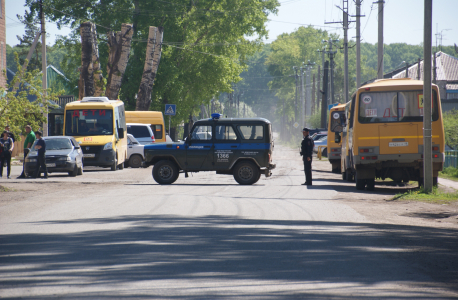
170 110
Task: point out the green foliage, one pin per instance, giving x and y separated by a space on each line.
16 110
451 128
204 49
450 173
437 195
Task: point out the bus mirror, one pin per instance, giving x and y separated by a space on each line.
121 133
337 137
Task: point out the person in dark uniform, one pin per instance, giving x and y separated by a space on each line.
306 152
40 146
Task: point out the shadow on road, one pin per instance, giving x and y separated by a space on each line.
165 247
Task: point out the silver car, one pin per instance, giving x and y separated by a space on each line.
63 154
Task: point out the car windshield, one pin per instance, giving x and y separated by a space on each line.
56 144
89 122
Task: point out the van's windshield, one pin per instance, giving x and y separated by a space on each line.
387 107
89 122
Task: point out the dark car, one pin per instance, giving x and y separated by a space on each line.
239 147
63 154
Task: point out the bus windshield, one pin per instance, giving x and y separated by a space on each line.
337 121
89 122
387 107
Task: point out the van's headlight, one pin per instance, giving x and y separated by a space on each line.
30 160
66 158
108 146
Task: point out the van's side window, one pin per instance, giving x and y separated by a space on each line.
251 132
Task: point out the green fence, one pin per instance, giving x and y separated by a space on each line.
451 158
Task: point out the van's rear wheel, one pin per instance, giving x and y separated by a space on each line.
370 184
165 172
246 173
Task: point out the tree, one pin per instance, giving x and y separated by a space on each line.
205 46
16 110
30 21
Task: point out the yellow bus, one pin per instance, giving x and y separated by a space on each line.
335 127
99 126
153 118
385 133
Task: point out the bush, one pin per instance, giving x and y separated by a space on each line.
450 172
451 128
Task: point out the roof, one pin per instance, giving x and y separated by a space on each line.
237 120
446 68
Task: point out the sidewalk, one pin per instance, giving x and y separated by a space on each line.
448 183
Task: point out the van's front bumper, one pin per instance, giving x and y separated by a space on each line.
98 157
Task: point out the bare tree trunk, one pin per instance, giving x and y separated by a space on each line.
81 85
119 44
87 77
98 77
153 57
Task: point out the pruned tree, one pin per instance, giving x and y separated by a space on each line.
119 45
153 57
91 79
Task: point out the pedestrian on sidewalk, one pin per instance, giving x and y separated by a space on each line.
307 152
10 134
29 139
40 146
7 145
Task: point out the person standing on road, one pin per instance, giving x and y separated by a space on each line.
7 145
29 139
40 146
306 152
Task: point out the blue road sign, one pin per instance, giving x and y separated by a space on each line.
332 105
170 110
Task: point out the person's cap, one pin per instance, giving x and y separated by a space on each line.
39 133
305 129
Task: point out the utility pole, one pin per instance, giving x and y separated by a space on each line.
44 65
358 44
295 102
308 102
313 94
427 92
302 111
345 27
380 40
324 95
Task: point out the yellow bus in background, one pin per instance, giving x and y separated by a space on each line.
336 125
153 118
385 133
99 126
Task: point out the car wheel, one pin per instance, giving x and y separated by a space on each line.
325 152
74 172
246 173
80 171
135 161
165 172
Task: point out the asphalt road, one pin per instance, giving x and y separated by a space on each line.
119 235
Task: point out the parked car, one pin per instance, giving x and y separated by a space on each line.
135 152
63 154
323 141
142 133
318 135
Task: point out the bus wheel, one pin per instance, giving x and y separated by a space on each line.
121 166
348 176
370 184
165 172
344 175
360 183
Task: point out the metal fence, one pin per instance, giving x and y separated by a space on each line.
451 158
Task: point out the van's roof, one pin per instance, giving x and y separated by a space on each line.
77 104
394 82
140 124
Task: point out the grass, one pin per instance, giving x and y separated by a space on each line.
437 195
449 173
5 189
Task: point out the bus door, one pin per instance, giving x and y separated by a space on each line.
198 148
227 147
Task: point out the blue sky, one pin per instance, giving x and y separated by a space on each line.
403 20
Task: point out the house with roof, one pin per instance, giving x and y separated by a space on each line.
444 74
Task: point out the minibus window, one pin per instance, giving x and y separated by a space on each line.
337 121
387 107
89 122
